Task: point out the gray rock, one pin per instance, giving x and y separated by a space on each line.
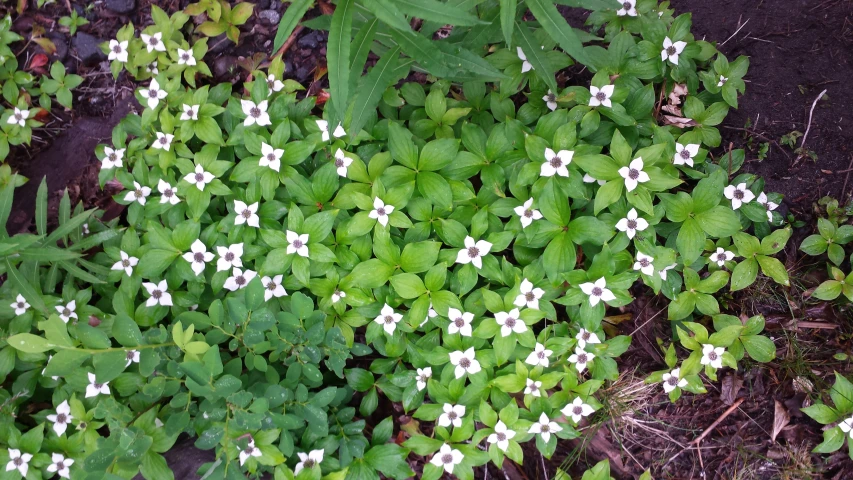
308 41
270 17
120 6
88 49
61 45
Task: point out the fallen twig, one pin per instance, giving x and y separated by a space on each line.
289 42
811 112
736 32
695 442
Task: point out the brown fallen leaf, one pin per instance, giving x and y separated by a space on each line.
673 110
678 91
781 419
679 122
730 387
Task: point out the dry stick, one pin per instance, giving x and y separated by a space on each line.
707 430
736 32
811 112
846 178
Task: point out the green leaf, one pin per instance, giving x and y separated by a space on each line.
719 222
41 207
23 286
28 343
370 274
338 57
760 348
382 75
418 257
294 13
408 285
842 393
560 256
508 19
690 241
774 269
359 379
558 29
533 51
744 274
423 50
435 188
435 11
360 49
821 413
828 290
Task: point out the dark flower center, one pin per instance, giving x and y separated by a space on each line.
529 296
98 385
601 96
501 436
380 211
670 50
271 157
255 112
509 322
627 6
685 154
246 213
20 304
309 463
199 177
545 428
61 418
271 83
552 97
152 93
597 291
297 243
129 355
464 362
185 56
644 262
577 410
389 319
541 355
632 224
271 286
190 112
473 252
66 312
672 381
229 257
168 192
117 49
582 358
125 263
556 162
112 157
138 192
241 280
712 355
164 141
721 257
60 465
198 257
633 173
447 458
339 163
534 387
452 415
157 294
459 322
585 336
528 213
18 461
723 80
153 41
739 194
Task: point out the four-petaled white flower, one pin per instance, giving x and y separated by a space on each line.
533 388
297 243
273 85
94 388
585 337
597 291
126 263
721 256
138 194
189 112
19 117
342 162
473 252
581 358
722 81
198 256
671 50
662 273
431 313
770 206
672 380
380 211
168 193
153 94
270 157
118 51
465 362
185 57
62 418
452 415
229 257
273 287
846 426
324 130
550 100
239 279
247 214
577 410
153 42
256 113
501 436
644 264
460 322
250 451
337 295
556 163
632 223
712 355
388 319
163 141
684 154
528 295
308 460
159 294
510 322
60 465
525 65
601 96
132 356
629 7
424 374
112 158
20 305
526 213
447 457
153 68
738 194
545 427
634 174
67 312
200 177
18 461
539 356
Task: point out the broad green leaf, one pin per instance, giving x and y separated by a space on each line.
294 13
557 27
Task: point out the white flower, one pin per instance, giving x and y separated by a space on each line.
380 211
510 322
526 213
388 319
447 457
112 158
721 256
229 257
577 410
152 68
270 157
684 154
738 194
544 427
138 194
153 94
185 57
671 50
597 291
189 112
132 356
644 264
556 163
527 295
342 162
337 295
672 380
581 358
159 294
62 418
601 96
525 65
585 337
632 223
587 178
473 252
198 256
199 178
118 51
18 461
298 243
539 356
452 415
255 113
153 42
550 100
430 314
239 279
247 214
460 322
309 460
324 130
273 287
20 305
502 436
846 426
163 141
424 374
168 193
85 228
59 464
250 451
712 356
629 7
722 81
770 206
465 362
126 263
274 85
533 388
662 273
66 313
19 117
634 174
94 388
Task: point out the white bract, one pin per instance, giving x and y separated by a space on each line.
527 214
581 358
671 50
247 214
342 162
67 312
544 427
239 279
132 356
20 305
18 461
525 65
662 273
198 256
229 257
460 322
308 460
324 130
597 291
270 157
509 322
168 193
601 96
153 94
452 415
256 113
60 465
556 163
684 154
153 68
163 141
629 7
634 174
770 206
447 457
189 112
424 374
200 177
112 158
185 57
465 362
846 426
577 410
94 388
587 178
501 436
644 264
533 388
158 294
388 318
62 418
297 243
672 380
722 81
585 337
380 211
721 256
712 355
274 85
539 356
118 51
19 117
138 194
337 295
473 252
250 451
126 263
528 295
550 100
273 287
738 194
153 42
632 223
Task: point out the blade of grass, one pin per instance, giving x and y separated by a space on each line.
557 27
380 77
338 57
294 13
533 51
